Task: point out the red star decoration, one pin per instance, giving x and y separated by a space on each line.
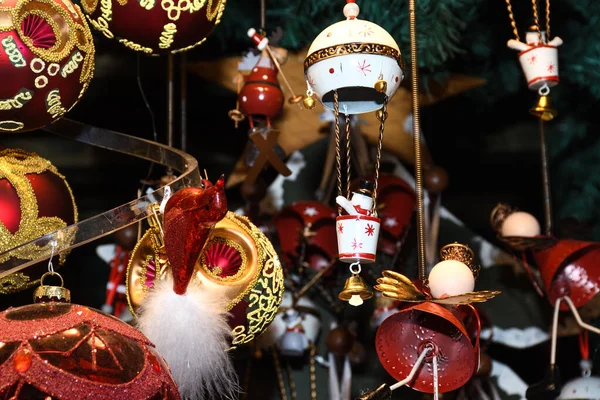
364 67
532 60
340 228
551 68
370 230
356 244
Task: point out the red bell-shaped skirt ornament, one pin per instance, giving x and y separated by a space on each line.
570 268
404 336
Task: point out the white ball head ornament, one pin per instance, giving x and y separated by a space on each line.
358 59
455 274
520 224
450 278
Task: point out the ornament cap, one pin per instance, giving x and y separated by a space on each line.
460 252
499 215
47 293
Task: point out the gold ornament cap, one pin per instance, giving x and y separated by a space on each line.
460 252
48 293
499 215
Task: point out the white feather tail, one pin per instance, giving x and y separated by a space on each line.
191 333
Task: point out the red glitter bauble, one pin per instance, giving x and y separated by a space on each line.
404 335
46 62
155 26
35 199
69 352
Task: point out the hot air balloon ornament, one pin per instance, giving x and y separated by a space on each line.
261 99
426 345
352 67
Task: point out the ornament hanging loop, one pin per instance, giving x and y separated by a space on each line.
544 90
355 268
53 245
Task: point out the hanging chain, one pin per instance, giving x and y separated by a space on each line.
338 156
313 373
378 156
422 255
279 372
536 20
512 20
547 20
348 156
291 380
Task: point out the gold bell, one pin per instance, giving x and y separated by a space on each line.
355 291
380 86
47 293
543 109
308 102
381 115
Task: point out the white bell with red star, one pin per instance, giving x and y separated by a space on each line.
358 59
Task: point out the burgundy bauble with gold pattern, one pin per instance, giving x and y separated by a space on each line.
35 199
570 268
309 221
155 26
404 335
65 351
46 61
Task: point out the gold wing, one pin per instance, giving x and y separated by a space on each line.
468 298
398 287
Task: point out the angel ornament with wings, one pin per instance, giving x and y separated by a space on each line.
451 281
430 345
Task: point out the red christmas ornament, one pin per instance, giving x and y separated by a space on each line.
169 26
46 62
35 199
261 95
569 268
70 352
311 221
190 217
402 337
